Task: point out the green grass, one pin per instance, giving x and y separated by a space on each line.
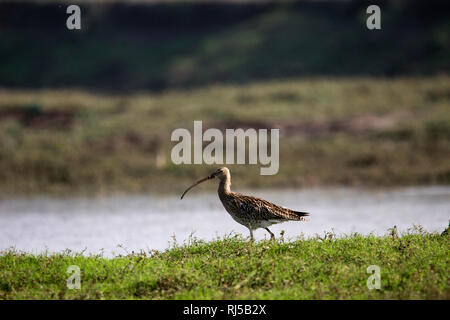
413 266
334 131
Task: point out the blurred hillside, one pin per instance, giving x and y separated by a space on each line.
92 111
158 45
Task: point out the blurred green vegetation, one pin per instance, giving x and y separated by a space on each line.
124 46
413 266
333 131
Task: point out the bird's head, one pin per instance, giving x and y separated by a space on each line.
222 173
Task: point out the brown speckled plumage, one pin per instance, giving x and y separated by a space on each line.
249 211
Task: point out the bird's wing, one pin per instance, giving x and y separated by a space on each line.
266 210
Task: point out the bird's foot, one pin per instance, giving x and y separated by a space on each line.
272 236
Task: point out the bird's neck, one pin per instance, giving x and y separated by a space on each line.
224 186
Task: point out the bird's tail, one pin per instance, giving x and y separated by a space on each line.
299 215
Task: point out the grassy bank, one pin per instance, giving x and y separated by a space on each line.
353 131
413 266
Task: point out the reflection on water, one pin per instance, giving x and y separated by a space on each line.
148 222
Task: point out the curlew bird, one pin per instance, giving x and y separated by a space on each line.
249 211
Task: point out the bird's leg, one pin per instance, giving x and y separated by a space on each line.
272 236
251 234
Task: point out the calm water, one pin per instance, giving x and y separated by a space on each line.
148 222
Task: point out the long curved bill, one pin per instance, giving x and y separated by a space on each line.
198 182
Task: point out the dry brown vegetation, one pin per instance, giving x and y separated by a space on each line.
354 131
